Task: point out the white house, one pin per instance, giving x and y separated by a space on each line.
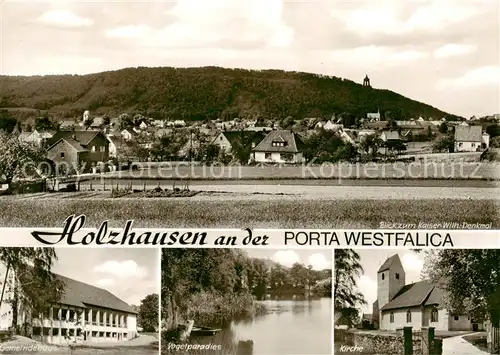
387 136
329 126
179 123
417 305
279 146
115 144
39 138
83 313
471 139
126 134
373 116
143 125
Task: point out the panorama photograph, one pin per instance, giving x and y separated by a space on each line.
263 113
252 302
50 304
443 302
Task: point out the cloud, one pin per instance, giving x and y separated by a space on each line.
368 288
452 50
286 257
122 269
482 76
319 261
411 262
132 31
377 55
217 23
105 282
401 18
64 18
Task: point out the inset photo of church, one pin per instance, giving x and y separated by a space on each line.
80 299
402 301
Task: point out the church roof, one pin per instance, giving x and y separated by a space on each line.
422 293
389 262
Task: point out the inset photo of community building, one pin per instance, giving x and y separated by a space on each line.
47 297
406 301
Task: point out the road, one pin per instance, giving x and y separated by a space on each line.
459 346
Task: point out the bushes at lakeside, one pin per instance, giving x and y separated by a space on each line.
208 307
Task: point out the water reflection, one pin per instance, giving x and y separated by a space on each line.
294 325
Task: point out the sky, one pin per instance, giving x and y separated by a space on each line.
129 273
318 259
372 259
441 52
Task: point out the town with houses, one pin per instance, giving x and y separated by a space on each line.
96 140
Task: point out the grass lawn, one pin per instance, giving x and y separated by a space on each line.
297 213
478 340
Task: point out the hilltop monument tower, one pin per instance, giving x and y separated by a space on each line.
366 81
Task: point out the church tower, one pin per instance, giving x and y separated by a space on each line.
390 280
366 81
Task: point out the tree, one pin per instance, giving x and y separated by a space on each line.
7 122
495 142
443 128
371 144
287 122
43 124
326 146
148 313
470 279
87 123
34 286
208 153
444 144
18 159
347 270
493 130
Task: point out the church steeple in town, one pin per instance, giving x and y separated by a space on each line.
366 81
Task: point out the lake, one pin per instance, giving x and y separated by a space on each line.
293 326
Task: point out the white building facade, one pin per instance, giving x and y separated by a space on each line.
413 305
84 313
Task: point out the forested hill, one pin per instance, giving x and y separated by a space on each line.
208 92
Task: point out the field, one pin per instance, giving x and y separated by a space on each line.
252 213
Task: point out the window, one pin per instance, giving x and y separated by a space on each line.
397 276
434 315
408 316
278 144
391 318
102 149
472 145
287 157
221 138
456 317
460 144
93 149
62 155
383 276
268 156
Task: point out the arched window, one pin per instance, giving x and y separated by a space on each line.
383 276
391 318
408 316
